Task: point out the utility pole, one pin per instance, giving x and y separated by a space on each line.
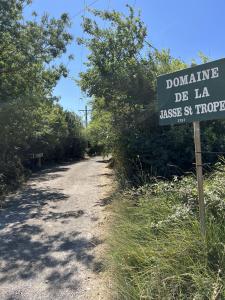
86 110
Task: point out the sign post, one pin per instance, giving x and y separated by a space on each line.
190 96
198 160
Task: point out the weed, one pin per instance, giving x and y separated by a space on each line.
156 249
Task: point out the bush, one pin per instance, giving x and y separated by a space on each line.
121 78
157 251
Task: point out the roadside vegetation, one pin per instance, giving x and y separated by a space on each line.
31 119
120 77
156 248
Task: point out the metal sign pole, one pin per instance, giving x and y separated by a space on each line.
198 159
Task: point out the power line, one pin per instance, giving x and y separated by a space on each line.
84 9
82 47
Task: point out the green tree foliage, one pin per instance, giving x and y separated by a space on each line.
99 131
121 77
31 121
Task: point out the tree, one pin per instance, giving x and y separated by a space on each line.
122 81
31 120
121 74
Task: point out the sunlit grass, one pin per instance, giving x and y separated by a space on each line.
156 249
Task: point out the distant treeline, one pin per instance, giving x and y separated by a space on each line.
121 77
31 120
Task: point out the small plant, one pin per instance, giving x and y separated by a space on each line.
156 249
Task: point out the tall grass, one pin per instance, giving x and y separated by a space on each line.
156 249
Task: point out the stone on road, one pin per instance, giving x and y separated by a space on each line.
50 234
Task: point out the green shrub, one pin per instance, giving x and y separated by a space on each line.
121 77
156 249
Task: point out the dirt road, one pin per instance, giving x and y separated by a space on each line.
50 234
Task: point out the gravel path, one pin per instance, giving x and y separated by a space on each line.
50 234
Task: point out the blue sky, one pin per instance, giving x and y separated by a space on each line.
184 26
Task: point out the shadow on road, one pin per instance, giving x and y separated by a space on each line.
104 161
104 202
28 204
26 250
106 174
50 173
54 171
